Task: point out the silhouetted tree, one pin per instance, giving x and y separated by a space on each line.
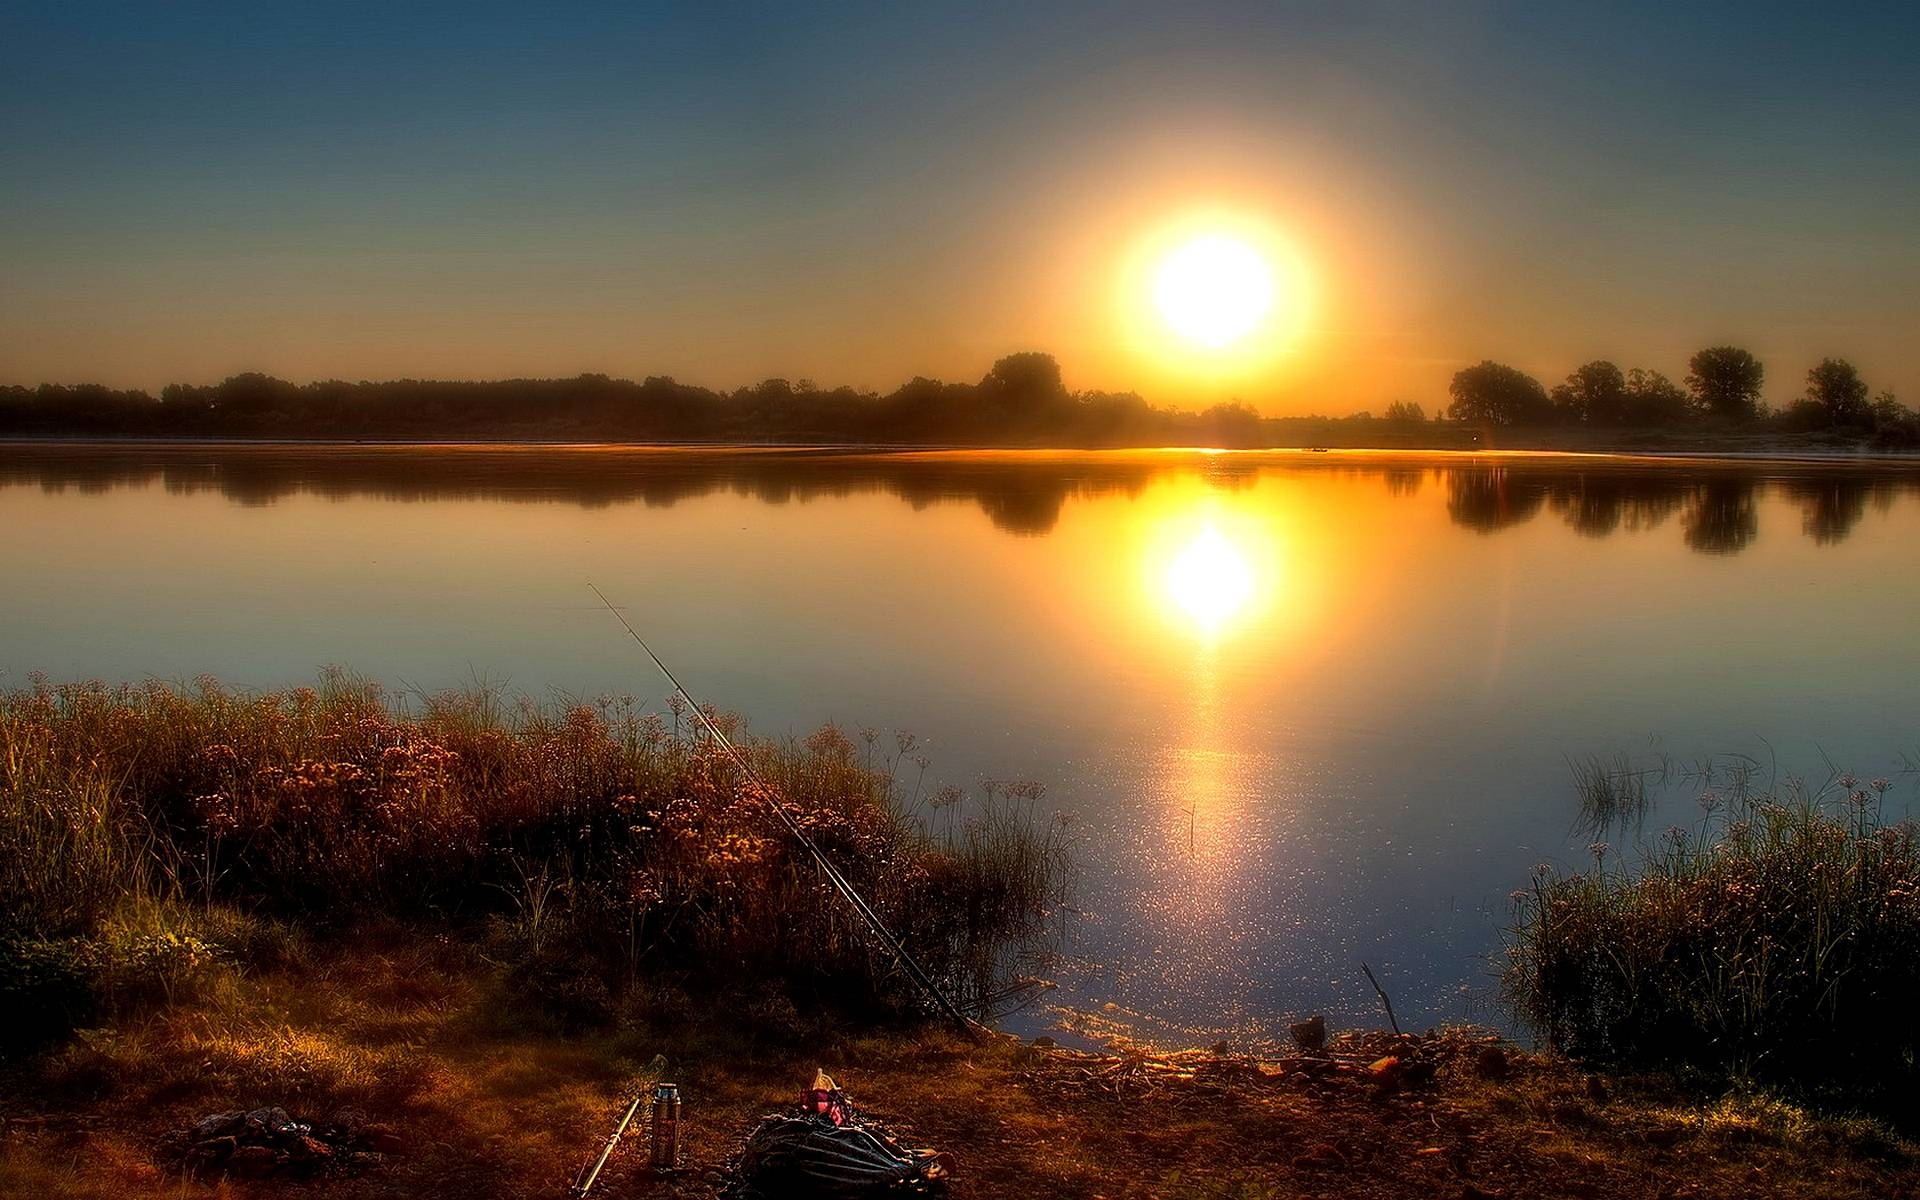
1495 394
1231 424
1029 375
1596 394
1406 412
1837 387
1725 382
1894 424
1653 399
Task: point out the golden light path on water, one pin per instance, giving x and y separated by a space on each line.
1213 566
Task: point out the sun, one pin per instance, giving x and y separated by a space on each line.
1214 289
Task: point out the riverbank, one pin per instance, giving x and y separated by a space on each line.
477 1095
1291 434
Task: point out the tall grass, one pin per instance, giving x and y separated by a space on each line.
605 847
1780 941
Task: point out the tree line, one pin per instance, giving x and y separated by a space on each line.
1722 387
1021 401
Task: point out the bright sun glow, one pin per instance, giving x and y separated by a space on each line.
1210 580
1214 289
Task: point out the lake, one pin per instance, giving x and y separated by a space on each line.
1306 710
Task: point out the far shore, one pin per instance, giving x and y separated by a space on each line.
1654 445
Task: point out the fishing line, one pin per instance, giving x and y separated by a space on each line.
839 881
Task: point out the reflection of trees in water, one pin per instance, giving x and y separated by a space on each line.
1831 507
1402 481
1596 504
1490 499
1020 493
1724 518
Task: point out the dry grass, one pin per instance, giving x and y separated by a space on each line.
604 848
1780 942
420 1034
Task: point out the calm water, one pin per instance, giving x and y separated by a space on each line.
1307 710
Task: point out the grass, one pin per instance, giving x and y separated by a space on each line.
1779 942
602 855
476 921
423 1034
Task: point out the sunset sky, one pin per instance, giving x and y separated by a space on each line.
862 194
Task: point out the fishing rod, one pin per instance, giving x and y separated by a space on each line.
590 1173
641 1083
840 882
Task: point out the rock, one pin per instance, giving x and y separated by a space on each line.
252 1162
220 1124
1043 1042
214 1150
1490 1062
1310 1034
309 1148
268 1120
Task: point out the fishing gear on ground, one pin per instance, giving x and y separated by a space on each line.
828 1150
663 1142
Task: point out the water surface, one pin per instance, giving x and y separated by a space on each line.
1307 710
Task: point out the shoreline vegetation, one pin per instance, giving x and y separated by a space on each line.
1021 402
463 923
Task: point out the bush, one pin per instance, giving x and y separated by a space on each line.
625 836
1781 944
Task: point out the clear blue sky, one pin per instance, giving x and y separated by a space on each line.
860 193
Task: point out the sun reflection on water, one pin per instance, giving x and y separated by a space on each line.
1210 580
1210 575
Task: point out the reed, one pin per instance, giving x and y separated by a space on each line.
608 850
1778 942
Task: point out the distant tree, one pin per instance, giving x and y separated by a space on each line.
1804 416
1596 394
1653 399
1232 423
1887 410
1495 394
1725 382
1837 387
1894 424
1028 375
1406 412
253 392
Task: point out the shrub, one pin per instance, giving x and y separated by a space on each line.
627 836
1780 943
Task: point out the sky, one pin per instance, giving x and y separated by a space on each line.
861 194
